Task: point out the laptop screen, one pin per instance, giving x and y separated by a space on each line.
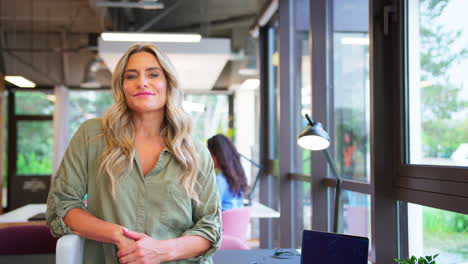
331 248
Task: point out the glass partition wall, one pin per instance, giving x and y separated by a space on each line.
350 103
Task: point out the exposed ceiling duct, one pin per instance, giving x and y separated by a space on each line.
48 41
198 64
90 74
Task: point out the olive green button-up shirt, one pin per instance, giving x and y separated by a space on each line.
155 204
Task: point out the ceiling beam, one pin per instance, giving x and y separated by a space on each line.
32 67
228 23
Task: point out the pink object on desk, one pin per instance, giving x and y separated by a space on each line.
235 223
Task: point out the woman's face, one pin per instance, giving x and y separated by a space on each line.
144 83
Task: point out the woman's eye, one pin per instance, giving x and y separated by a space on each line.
154 75
130 77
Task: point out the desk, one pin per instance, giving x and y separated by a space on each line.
23 213
259 210
255 256
20 216
4 225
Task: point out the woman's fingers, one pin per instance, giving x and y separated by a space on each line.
133 235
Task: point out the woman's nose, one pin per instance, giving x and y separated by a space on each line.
142 81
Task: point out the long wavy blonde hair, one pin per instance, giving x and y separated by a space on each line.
117 158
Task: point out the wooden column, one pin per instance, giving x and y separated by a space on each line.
2 139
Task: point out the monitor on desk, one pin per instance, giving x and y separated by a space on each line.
331 248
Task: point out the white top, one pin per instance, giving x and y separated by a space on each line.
23 213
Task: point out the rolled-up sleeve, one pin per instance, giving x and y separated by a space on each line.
207 214
69 184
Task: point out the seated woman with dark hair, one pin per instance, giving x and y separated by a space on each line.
231 177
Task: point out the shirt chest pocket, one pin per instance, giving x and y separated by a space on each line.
170 205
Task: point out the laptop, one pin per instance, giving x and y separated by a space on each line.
38 217
330 248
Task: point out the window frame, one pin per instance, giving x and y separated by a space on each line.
443 187
14 192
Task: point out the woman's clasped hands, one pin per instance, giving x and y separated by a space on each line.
145 249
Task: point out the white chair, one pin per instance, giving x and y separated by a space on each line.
69 250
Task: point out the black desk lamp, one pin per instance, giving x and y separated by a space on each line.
314 138
261 169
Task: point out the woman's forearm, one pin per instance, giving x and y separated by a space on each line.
189 246
86 225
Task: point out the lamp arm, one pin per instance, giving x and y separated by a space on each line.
336 216
251 161
261 169
332 165
250 196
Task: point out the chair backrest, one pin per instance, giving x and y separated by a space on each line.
235 222
27 239
232 243
70 250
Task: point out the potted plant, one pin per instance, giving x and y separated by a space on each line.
420 260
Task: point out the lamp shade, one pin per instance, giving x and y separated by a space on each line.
313 137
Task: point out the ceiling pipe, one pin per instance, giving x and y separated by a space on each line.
265 17
159 17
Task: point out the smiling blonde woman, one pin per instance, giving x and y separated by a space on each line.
142 172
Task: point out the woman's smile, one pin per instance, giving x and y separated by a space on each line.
144 94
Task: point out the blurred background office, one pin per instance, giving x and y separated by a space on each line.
386 79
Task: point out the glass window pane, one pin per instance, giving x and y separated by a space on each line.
304 93
210 115
305 194
85 105
433 231
35 147
33 103
5 149
351 102
355 214
437 83
273 81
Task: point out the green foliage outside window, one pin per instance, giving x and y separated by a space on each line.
441 133
436 221
35 147
420 260
32 164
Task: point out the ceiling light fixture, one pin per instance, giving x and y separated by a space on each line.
250 84
145 4
150 37
355 41
20 81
